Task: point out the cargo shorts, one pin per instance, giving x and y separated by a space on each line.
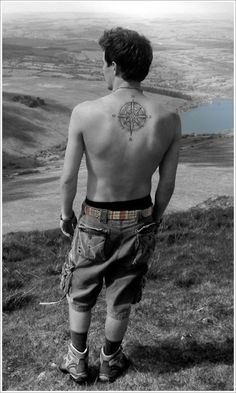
114 252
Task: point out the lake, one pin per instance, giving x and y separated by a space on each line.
210 118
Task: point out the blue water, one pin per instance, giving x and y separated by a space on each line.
209 118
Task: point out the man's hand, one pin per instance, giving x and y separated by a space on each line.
68 225
158 224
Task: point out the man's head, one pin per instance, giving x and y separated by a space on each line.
128 52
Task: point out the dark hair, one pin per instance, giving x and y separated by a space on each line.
130 51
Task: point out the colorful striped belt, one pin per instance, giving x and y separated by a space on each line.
117 215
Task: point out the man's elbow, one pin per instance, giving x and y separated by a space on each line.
168 186
169 190
67 181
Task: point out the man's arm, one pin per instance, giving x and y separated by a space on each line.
167 171
73 156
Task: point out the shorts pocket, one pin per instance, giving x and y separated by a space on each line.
139 290
145 242
92 242
66 274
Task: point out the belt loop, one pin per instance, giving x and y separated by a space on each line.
104 216
139 216
82 211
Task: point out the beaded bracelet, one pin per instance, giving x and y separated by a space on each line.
67 219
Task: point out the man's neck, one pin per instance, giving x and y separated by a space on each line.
121 84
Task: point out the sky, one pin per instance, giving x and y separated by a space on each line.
130 8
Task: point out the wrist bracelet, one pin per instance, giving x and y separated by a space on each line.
67 219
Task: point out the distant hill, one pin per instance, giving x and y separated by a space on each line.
30 125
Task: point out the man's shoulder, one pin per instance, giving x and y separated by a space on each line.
87 114
82 107
87 105
164 113
168 120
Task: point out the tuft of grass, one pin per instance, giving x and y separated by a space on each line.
180 335
15 251
190 243
16 300
186 279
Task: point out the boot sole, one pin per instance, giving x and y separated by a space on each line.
104 378
80 380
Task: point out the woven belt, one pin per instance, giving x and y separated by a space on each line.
118 215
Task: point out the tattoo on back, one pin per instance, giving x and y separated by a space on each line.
132 116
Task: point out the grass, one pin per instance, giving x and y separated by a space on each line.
180 336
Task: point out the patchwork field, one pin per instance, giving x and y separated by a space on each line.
193 57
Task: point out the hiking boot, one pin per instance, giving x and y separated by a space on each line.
76 364
112 366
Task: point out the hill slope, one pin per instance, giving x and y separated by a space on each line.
31 125
180 336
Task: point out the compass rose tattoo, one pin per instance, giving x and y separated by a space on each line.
132 116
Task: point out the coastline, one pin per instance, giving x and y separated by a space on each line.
199 100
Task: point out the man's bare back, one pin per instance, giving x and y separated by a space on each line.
125 135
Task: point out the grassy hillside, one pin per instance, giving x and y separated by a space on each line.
28 130
211 149
180 336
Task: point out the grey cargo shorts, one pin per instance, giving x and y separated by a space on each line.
113 251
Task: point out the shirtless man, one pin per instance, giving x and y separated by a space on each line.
125 137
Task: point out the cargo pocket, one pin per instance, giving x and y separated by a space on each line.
139 290
92 242
66 275
145 242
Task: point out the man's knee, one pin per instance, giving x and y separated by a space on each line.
120 312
